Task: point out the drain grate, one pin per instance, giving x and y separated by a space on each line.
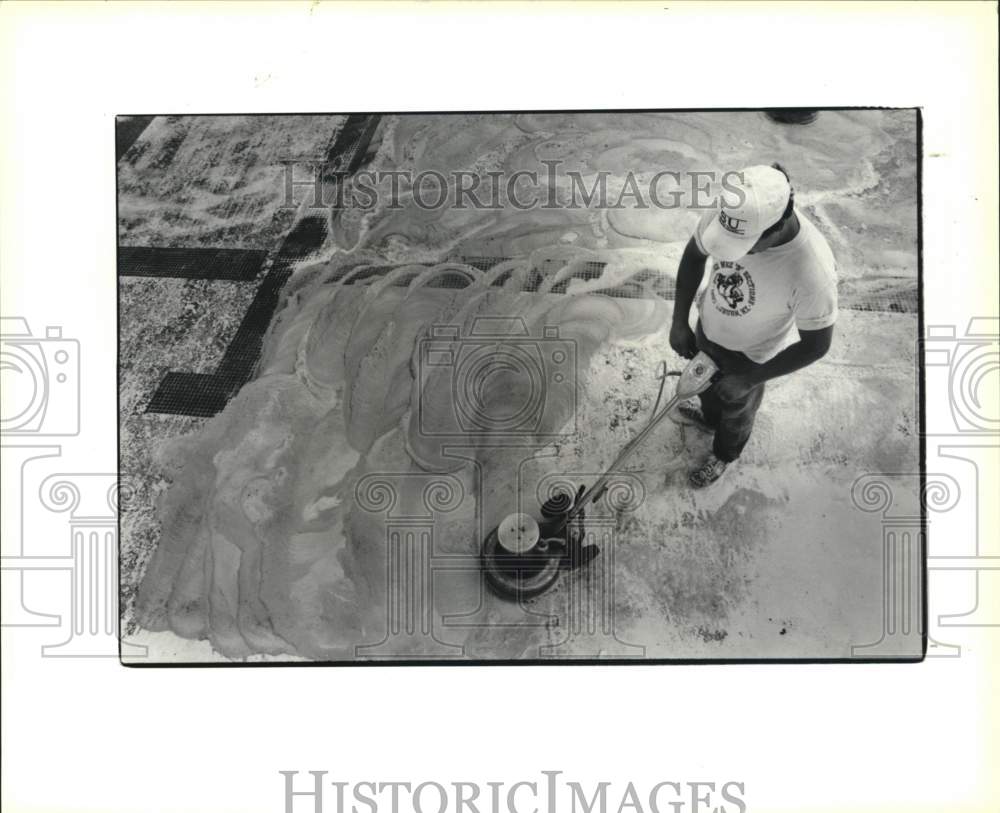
127 131
644 284
899 297
233 264
198 395
203 395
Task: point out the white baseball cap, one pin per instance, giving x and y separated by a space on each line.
765 193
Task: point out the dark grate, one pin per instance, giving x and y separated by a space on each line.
233 264
900 297
127 131
200 395
643 284
203 395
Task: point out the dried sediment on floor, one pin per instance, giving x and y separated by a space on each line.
267 544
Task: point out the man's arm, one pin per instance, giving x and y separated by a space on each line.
810 348
689 276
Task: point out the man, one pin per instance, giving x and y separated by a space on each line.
767 310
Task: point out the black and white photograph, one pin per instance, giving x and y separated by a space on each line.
519 386
434 406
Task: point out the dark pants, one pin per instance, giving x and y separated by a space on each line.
732 420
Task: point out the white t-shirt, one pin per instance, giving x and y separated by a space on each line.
755 304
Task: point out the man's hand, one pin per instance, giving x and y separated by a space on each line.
733 387
683 341
689 274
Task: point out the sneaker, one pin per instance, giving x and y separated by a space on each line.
710 471
689 413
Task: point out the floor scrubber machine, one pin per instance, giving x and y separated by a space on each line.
523 556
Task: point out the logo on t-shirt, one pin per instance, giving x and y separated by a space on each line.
733 291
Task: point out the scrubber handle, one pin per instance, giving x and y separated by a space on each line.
696 377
